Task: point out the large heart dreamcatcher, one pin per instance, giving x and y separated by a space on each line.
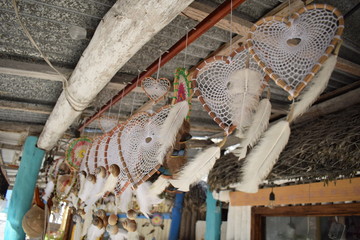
139 144
292 50
229 88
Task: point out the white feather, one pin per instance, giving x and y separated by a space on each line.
314 89
170 128
48 190
245 89
78 229
125 199
196 169
159 185
82 183
108 186
120 235
94 232
263 156
96 190
87 190
145 199
87 221
257 127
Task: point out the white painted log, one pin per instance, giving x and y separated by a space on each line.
123 31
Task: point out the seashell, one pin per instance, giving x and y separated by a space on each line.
100 171
83 173
114 169
129 225
91 178
112 219
131 214
112 229
98 222
100 213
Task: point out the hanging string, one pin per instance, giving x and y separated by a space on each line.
290 8
110 108
231 23
186 44
120 103
75 104
158 71
133 100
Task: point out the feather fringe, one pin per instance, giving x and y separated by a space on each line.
313 90
96 190
94 232
109 185
196 169
48 190
125 199
82 179
258 126
263 156
170 128
159 185
87 221
120 235
245 87
87 189
145 199
78 229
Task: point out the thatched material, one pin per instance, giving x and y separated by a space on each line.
328 147
226 171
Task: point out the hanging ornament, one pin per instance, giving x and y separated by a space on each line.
139 144
155 89
107 123
291 50
229 88
76 152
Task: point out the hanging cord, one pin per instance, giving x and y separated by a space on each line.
186 44
120 103
231 23
74 103
137 83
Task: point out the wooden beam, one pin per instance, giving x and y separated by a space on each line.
199 11
44 72
3 171
31 129
339 191
332 105
20 147
348 67
25 107
348 209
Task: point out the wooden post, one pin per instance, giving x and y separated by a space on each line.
23 191
213 218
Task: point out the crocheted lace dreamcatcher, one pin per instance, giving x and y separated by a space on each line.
292 50
139 144
229 88
155 89
107 123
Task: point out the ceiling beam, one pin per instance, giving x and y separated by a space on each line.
30 129
25 107
199 11
44 72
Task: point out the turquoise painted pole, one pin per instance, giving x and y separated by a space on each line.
176 216
213 218
23 191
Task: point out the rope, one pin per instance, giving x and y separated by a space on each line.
74 103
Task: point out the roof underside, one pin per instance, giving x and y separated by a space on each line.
27 100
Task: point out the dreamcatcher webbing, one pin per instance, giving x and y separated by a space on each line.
100 160
214 94
91 156
139 142
291 52
112 156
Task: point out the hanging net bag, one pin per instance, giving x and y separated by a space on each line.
229 88
291 50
